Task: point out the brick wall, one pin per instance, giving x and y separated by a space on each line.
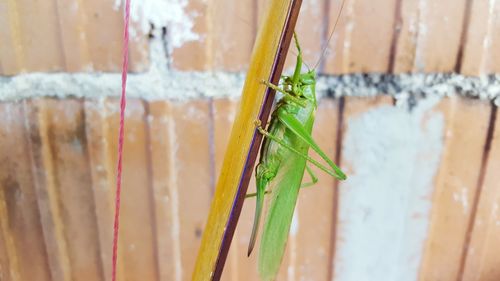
421 202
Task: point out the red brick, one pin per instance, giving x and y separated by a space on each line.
465 133
482 255
21 224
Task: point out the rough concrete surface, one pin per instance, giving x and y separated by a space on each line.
396 153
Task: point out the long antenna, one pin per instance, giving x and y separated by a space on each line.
331 35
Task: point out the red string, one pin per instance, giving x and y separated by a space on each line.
120 141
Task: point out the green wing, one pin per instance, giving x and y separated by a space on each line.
280 210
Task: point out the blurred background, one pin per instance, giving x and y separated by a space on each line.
408 109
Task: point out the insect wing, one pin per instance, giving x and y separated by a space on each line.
279 215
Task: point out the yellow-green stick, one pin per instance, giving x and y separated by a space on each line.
267 62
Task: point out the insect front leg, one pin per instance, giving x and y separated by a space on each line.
251 195
287 94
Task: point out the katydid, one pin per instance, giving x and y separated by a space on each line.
283 162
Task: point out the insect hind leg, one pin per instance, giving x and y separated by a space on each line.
266 134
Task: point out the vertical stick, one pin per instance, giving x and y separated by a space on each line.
267 63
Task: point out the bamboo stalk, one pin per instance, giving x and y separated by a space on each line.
268 58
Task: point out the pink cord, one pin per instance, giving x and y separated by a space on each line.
120 140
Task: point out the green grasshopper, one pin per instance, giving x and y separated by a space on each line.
283 162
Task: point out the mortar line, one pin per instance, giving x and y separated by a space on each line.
463 35
398 20
26 132
211 144
165 47
479 189
95 215
63 52
336 193
324 33
164 84
255 22
150 184
419 38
